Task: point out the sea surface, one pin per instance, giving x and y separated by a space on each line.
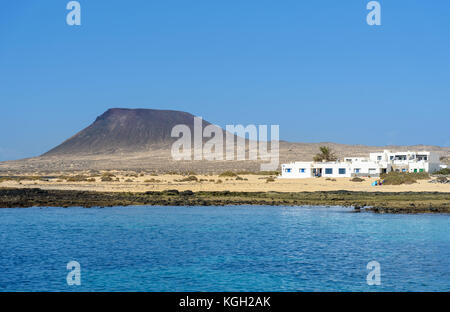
239 248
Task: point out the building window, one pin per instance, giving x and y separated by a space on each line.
403 170
302 170
341 170
357 170
288 169
328 170
379 157
421 170
392 157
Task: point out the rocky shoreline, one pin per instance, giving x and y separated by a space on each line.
378 202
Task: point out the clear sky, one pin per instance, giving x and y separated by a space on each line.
314 67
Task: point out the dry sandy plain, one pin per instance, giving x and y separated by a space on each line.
133 182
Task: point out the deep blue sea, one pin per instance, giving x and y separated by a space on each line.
239 248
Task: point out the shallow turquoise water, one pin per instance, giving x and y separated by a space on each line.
222 249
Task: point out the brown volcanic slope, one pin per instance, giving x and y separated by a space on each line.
121 130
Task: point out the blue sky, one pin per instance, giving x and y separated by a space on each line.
313 67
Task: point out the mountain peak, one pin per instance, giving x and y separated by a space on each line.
125 130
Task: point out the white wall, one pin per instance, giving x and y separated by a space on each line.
334 166
296 170
367 168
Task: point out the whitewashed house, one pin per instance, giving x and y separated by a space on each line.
408 161
374 165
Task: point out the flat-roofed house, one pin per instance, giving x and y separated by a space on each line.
374 165
422 161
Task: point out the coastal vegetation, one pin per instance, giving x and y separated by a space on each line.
398 178
228 174
188 179
443 171
78 178
152 180
379 202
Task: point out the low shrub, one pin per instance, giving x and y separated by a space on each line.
77 178
228 174
108 175
421 175
188 179
443 171
357 179
398 178
274 172
152 180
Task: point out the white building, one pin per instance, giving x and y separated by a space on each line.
376 164
409 161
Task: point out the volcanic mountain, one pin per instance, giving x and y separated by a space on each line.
126 130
